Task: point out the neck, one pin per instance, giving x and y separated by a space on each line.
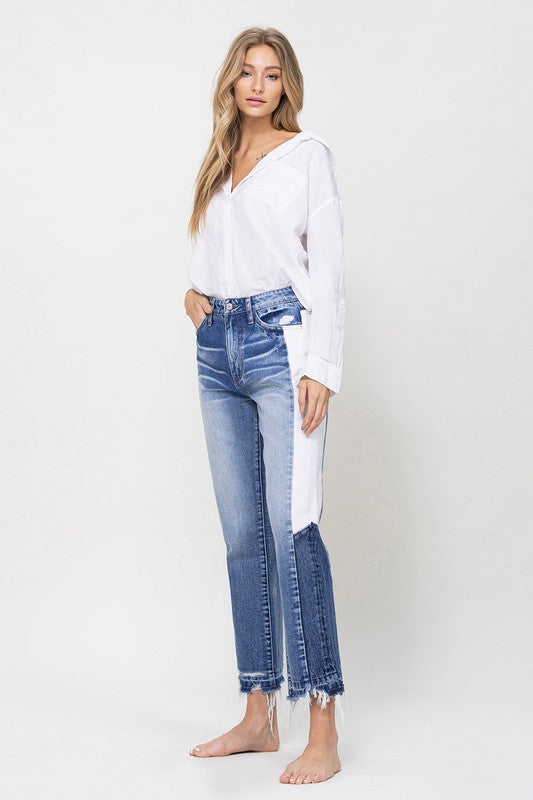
254 131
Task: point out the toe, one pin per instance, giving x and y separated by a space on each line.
307 779
288 772
299 778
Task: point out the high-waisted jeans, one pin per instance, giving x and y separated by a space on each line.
267 477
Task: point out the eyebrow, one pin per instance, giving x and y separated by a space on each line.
252 66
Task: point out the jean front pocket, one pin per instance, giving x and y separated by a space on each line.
202 324
279 316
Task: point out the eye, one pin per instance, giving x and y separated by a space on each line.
276 77
245 72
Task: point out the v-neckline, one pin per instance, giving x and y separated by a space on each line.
260 163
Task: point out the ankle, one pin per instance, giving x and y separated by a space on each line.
323 731
258 715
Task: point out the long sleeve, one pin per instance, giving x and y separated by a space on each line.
198 274
325 250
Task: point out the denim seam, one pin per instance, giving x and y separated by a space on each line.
327 679
235 379
270 654
319 596
265 298
302 645
301 637
273 681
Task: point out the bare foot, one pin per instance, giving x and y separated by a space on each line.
320 759
318 762
252 734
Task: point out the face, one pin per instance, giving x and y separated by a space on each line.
261 79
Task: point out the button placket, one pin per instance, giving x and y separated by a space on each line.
228 247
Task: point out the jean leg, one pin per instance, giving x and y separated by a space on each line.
294 480
235 452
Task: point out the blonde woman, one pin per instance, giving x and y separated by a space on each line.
267 301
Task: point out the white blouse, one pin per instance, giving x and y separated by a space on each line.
282 226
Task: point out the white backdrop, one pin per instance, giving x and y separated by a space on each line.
117 641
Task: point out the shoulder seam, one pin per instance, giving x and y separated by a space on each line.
317 138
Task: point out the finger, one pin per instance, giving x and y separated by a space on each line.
188 300
302 396
318 416
315 422
200 319
311 410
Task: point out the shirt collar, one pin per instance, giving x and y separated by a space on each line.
272 155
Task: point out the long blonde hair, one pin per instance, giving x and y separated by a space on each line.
216 165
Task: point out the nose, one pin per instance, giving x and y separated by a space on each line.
258 88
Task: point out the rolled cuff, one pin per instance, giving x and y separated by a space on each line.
324 372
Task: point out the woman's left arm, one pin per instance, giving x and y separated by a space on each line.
325 249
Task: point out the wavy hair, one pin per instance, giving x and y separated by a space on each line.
216 165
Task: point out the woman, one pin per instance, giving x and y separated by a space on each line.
267 302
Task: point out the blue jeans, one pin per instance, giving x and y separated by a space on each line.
267 477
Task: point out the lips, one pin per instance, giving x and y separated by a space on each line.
256 99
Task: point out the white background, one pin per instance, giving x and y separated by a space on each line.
116 633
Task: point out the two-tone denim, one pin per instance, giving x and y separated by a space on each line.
268 482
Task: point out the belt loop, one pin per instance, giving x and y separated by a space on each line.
249 312
210 316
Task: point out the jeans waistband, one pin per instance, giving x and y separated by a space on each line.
232 305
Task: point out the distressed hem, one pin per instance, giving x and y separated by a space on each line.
324 692
248 681
271 687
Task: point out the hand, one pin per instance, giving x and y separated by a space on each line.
316 395
197 306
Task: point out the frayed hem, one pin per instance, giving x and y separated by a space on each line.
323 698
272 697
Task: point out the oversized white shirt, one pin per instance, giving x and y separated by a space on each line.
282 226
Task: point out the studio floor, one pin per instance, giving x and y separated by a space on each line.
102 742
